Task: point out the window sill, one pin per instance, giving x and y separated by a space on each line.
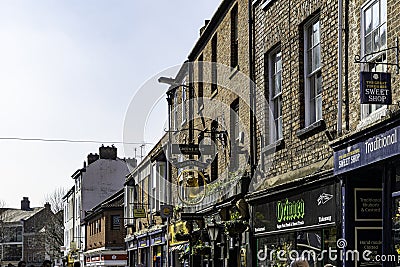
312 129
277 145
213 94
235 70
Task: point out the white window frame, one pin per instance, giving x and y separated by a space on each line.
372 112
275 120
175 111
311 111
184 98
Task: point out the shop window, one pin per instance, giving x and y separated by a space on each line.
274 83
373 40
312 72
277 250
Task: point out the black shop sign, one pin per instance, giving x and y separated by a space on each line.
309 208
375 88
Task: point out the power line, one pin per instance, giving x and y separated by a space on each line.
74 141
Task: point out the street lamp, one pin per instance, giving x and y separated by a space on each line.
213 230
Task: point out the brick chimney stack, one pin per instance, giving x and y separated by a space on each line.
108 152
25 204
47 206
92 158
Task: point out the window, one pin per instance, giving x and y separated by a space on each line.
312 72
183 101
175 111
115 222
234 37
200 85
373 40
214 163
274 78
234 117
214 73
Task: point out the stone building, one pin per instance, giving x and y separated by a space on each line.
105 233
29 234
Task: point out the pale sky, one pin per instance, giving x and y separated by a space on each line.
69 69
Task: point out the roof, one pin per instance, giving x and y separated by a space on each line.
16 215
115 201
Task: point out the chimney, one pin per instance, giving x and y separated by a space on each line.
204 27
131 162
25 204
108 152
92 158
47 206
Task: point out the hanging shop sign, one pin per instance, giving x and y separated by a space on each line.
157 239
375 88
166 211
191 163
192 149
309 208
139 213
367 151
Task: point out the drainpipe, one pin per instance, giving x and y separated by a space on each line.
340 67
253 139
346 64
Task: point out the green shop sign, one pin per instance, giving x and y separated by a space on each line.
315 206
289 210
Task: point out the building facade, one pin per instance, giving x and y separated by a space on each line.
105 233
147 189
29 234
101 176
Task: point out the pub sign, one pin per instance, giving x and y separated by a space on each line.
375 88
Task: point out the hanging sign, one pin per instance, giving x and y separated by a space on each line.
375 88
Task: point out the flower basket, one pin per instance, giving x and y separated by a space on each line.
235 227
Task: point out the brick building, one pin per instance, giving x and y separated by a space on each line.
105 233
324 174
210 111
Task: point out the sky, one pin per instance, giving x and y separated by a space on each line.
69 69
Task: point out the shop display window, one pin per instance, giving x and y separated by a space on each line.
280 250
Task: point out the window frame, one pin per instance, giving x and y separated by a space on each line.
272 97
311 118
372 111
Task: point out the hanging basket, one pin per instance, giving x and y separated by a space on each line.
236 227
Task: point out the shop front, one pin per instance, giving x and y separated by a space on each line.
157 243
132 249
300 221
143 250
100 258
368 164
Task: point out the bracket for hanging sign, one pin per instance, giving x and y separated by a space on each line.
359 59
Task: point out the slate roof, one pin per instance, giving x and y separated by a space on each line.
16 215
